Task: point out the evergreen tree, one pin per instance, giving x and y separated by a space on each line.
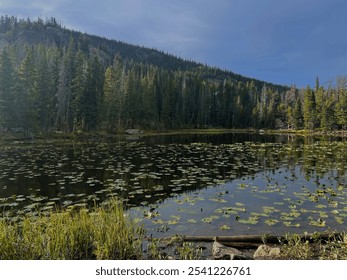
93 97
309 109
7 117
298 119
149 117
109 107
341 108
79 91
290 118
63 116
328 120
26 94
44 90
319 97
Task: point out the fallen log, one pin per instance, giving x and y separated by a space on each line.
261 239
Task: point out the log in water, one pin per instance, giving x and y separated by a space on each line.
255 240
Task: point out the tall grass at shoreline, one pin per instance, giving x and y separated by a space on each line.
100 233
106 232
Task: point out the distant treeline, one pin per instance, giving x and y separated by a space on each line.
55 79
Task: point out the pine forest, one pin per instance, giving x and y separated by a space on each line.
55 79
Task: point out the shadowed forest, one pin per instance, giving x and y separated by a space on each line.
55 79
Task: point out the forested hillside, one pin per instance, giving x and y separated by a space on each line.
54 79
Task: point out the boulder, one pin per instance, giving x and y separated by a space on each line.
267 252
221 252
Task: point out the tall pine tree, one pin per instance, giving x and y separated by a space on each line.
7 114
310 113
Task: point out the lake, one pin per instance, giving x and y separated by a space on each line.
194 184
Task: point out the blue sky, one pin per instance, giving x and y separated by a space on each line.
284 42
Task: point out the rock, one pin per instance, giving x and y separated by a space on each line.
266 252
221 252
133 131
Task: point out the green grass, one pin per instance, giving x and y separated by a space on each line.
103 233
318 249
173 248
100 233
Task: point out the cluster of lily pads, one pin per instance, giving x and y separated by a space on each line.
189 188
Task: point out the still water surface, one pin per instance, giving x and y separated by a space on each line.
222 184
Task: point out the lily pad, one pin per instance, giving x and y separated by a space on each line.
219 200
317 223
339 220
225 227
251 220
271 222
209 219
289 224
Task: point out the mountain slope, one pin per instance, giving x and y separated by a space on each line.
59 79
50 33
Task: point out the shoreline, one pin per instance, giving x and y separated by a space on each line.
10 136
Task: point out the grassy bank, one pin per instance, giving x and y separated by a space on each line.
107 233
294 248
101 233
98 233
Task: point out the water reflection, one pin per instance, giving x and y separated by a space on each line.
188 184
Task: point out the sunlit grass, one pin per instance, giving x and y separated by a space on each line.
100 233
298 249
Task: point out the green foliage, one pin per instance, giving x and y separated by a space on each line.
189 252
309 109
295 248
297 115
8 239
165 249
102 233
341 108
6 89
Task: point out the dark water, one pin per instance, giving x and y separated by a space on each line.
186 184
